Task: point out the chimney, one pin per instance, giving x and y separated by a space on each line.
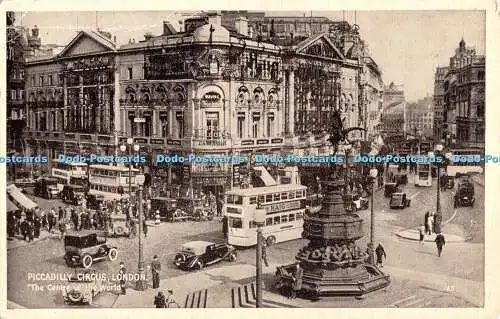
214 18
241 25
148 36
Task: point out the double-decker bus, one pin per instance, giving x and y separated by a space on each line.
463 162
423 174
285 206
108 180
65 171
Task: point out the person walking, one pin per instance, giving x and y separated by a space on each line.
51 219
297 281
29 231
123 280
155 271
440 242
430 224
421 232
426 222
224 226
380 252
62 229
159 301
74 219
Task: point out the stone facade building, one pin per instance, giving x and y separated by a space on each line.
207 90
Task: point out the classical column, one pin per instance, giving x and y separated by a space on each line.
116 99
291 101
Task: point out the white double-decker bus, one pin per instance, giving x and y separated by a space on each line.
65 171
107 180
285 206
423 175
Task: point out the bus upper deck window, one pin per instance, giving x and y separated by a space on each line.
276 196
269 198
277 220
291 217
284 196
262 199
292 195
238 200
253 200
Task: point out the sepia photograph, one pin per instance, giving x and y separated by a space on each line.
245 159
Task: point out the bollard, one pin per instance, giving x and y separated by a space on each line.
157 219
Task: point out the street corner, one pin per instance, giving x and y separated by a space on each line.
413 234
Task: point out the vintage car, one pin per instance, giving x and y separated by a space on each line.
94 201
390 188
73 194
198 254
465 194
47 187
83 248
166 206
81 289
399 200
120 226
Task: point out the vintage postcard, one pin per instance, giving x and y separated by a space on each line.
257 158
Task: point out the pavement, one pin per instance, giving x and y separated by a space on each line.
413 234
20 242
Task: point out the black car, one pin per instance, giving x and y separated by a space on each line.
390 188
84 247
464 195
166 206
399 200
198 254
73 194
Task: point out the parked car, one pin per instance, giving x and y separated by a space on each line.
399 200
84 247
465 194
73 194
198 254
390 188
166 206
47 187
81 289
94 201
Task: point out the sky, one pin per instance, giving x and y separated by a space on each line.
407 45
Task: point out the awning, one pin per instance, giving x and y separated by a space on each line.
11 207
19 198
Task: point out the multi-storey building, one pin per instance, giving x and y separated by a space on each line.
393 119
438 102
420 118
206 91
464 99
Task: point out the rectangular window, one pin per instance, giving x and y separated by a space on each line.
235 222
298 194
212 125
51 80
284 196
253 200
276 197
13 94
241 125
291 217
284 219
21 94
262 199
130 73
277 220
299 216
269 221
33 80
40 80
270 125
255 125
269 198
291 195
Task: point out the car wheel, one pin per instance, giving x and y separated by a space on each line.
198 265
87 261
232 256
179 259
119 230
271 240
113 254
75 296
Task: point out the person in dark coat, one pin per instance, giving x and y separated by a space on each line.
74 219
62 229
440 242
61 214
37 225
29 231
51 219
155 271
264 253
160 300
24 228
224 226
297 282
426 222
380 252
123 280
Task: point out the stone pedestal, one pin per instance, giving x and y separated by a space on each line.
332 262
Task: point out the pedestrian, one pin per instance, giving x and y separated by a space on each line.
145 228
370 254
133 231
24 228
62 229
123 279
297 281
60 213
74 218
426 222
430 224
155 270
440 242
170 301
160 301
224 226
29 231
421 232
51 219
37 224
264 253
380 252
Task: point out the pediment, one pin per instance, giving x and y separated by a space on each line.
87 43
320 46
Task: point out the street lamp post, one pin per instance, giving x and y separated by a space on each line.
141 283
438 149
373 175
259 218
